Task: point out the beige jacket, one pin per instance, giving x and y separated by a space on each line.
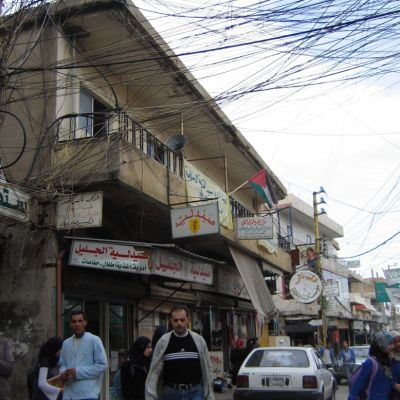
154 377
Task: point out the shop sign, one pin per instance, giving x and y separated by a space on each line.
392 275
200 187
305 286
254 228
109 256
83 210
13 203
175 266
353 264
331 288
195 221
358 325
217 364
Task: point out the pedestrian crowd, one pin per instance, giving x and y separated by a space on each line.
175 364
172 365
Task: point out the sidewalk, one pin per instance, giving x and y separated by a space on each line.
226 395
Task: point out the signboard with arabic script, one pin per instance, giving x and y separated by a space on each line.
176 266
254 228
110 256
201 187
83 210
305 286
13 203
195 221
392 275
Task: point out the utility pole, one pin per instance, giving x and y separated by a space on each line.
322 332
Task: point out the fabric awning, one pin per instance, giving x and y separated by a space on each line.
254 282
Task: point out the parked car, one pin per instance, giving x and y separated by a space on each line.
361 353
284 373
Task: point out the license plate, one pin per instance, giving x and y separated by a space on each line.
276 381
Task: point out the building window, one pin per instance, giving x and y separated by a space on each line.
95 121
289 231
308 239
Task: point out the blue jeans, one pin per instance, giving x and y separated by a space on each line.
194 393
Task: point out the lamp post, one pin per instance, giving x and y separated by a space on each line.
323 328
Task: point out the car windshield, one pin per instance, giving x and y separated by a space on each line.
278 358
361 352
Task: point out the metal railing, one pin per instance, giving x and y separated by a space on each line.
97 125
239 210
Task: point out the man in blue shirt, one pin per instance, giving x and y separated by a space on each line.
348 359
83 361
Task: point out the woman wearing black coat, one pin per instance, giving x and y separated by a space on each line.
134 370
47 367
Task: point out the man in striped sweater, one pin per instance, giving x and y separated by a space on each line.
181 366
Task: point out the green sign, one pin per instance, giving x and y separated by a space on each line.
380 291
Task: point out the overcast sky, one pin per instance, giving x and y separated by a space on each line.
344 137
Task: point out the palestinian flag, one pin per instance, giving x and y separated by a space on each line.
262 183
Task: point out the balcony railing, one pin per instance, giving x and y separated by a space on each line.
239 210
102 124
284 243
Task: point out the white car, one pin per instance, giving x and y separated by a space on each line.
276 373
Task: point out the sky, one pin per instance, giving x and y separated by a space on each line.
343 135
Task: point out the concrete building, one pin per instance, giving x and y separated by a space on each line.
110 148
297 227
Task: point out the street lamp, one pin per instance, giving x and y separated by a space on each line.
323 328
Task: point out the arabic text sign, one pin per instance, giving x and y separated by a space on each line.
305 286
194 221
109 256
331 288
392 275
82 210
173 265
13 203
353 264
254 228
200 186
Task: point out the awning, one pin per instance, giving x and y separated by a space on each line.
254 282
270 268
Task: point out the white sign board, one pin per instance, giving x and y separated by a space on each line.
83 210
195 221
305 286
392 275
13 203
200 186
175 266
109 256
217 364
331 288
254 228
353 264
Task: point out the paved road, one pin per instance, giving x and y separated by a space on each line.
341 394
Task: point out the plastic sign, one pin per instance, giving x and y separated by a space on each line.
305 286
195 221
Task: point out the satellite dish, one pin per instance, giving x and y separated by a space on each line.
177 142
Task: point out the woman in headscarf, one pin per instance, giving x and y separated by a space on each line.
396 363
47 368
375 377
134 370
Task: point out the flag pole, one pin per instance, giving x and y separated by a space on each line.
239 187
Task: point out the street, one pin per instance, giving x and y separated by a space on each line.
341 393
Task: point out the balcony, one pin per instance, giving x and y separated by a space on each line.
100 125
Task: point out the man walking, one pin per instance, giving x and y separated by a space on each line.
6 368
181 366
348 359
82 361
